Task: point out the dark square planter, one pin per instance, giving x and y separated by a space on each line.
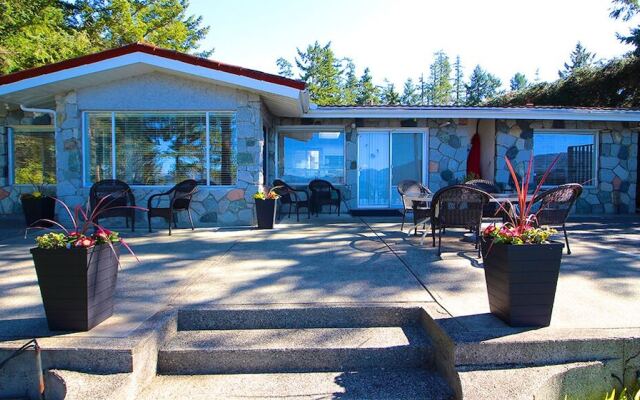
266 213
36 208
77 285
521 281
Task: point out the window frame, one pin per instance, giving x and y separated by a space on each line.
596 154
11 173
311 128
85 155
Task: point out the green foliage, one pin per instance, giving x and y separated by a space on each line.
389 95
615 84
440 87
367 93
39 32
410 95
625 10
320 69
52 240
458 83
518 82
580 58
482 86
350 83
284 67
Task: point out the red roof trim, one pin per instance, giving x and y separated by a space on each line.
156 51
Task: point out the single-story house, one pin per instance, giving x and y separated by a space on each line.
152 117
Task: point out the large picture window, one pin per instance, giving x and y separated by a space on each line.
576 152
33 155
143 148
307 155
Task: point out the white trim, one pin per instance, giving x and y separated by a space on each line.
577 114
596 154
158 62
311 128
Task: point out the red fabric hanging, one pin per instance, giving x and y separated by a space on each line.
473 161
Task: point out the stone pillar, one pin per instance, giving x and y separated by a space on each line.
69 154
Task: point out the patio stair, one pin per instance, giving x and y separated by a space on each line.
368 348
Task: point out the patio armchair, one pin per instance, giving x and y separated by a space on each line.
179 199
119 196
420 210
552 206
298 198
324 193
491 208
457 206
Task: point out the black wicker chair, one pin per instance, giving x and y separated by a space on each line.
118 195
179 198
298 198
324 193
457 206
420 210
491 208
552 206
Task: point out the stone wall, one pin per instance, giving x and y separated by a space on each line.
615 188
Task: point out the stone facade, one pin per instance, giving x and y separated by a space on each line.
615 188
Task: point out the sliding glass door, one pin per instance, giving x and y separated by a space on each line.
384 159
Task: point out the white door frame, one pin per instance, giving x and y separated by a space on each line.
391 131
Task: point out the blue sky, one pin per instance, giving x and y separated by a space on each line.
396 39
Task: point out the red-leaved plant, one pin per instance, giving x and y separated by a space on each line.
521 227
83 221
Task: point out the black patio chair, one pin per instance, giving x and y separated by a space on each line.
491 208
552 207
179 198
324 193
420 210
293 197
457 206
119 196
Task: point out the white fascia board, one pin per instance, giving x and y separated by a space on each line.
479 113
155 61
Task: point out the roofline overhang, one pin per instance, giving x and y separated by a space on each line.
577 114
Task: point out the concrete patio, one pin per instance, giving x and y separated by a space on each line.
336 261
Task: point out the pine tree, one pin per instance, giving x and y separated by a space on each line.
580 58
625 10
458 83
423 90
410 93
284 67
367 91
518 82
350 84
388 94
482 86
440 79
320 69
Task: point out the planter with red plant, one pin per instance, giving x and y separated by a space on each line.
521 264
266 208
77 271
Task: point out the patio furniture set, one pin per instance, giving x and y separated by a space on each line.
116 199
318 193
468 205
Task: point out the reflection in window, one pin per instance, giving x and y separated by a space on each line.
34 156
304 156
576 157
153 148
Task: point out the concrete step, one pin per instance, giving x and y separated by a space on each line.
370 384
302 317
294 350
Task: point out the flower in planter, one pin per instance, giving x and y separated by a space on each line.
266 194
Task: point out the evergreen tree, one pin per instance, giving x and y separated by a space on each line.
440 79
518 82
320 69
389 95
579 58
410 94
284 67
350 84
422 90
367 91
482 86
536 78
625 10
458 83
